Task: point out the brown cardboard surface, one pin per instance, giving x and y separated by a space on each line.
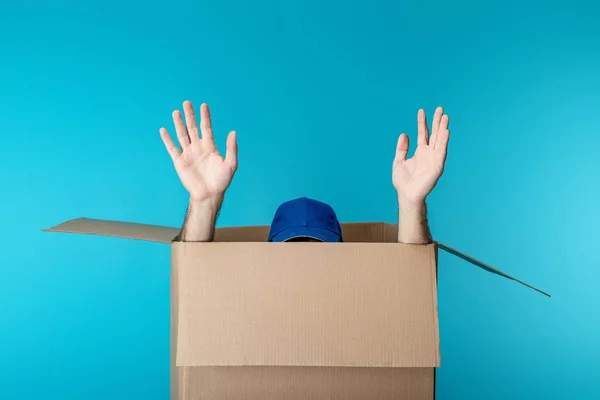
315 383
307 304
256 320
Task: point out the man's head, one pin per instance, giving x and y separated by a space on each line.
305 220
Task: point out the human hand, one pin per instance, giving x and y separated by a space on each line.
202 170
416 177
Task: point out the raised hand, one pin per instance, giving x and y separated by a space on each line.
416 177
202 170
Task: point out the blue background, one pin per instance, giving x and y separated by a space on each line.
318 94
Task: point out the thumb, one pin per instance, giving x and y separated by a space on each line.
402 148
232 150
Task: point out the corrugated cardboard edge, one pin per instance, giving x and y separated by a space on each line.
486 266
126 230
177 376
434 294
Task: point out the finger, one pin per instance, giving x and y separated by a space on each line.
444 123
190 120
169 145
436 124
231 151
182 134
205 123
422 127
441 146
402 148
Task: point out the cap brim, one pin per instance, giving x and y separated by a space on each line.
323 235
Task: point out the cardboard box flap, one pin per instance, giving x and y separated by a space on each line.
128 230
390 234
485 266
353 232
306 304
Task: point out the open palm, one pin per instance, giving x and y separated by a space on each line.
415 178
201 168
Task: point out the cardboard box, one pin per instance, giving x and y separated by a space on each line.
258 320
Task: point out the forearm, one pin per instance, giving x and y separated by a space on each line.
200 221
413 227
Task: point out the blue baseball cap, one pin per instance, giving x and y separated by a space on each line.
305 218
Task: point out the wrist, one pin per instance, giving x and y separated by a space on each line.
408 205
211 203
412 224
200 219
204 212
